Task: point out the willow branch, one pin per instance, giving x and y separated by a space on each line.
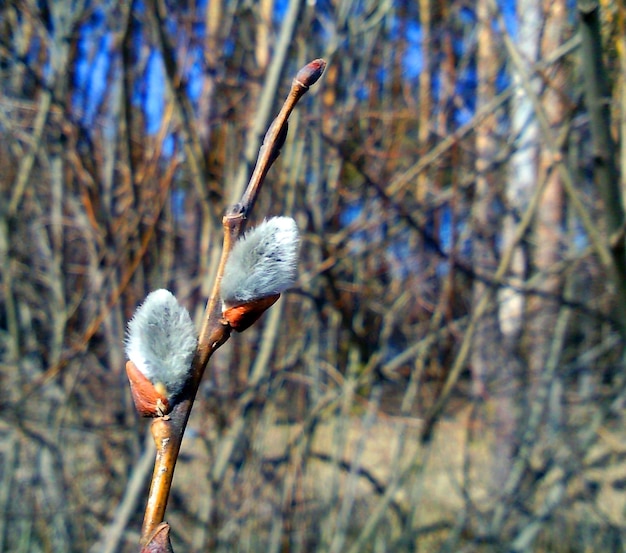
168 431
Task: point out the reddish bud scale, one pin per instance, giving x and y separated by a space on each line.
159 542
149 401
240 317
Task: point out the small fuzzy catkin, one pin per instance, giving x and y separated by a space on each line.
262 263
161 341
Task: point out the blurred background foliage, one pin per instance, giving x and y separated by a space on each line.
448 372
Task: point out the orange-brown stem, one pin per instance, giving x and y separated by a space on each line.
168 432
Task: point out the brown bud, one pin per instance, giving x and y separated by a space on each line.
159 541
311 72
242 316
150 399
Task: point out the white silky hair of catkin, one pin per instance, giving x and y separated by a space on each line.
162 340
262 263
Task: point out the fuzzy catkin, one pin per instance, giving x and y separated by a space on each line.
262 263
161 341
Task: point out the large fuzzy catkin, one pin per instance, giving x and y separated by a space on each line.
262 263
161 341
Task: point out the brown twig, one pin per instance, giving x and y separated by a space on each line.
168 431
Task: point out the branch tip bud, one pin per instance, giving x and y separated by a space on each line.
311 72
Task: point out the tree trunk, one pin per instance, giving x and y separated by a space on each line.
548 239
487 361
